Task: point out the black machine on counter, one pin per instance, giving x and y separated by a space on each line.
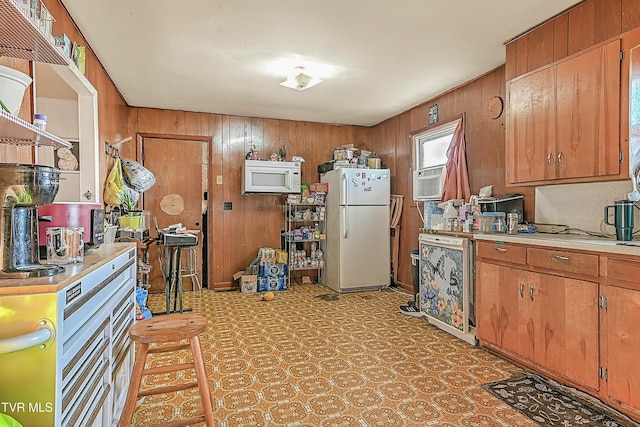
24 187
507 203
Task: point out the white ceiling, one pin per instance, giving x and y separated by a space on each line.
378 57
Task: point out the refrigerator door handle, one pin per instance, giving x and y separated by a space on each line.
345 222
343 193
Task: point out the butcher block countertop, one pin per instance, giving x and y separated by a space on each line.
559 241
93 259
567 241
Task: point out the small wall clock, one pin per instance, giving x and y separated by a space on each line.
495 107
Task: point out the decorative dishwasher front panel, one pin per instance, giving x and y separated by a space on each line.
447 294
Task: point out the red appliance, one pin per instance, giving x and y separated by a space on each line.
87 215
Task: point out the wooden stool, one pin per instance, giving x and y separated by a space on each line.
165 329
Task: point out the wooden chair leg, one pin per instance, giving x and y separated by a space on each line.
203 380
134 386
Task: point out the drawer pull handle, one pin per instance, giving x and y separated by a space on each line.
531 292
560 257
501 249
521 289
41 337
549 159
560 160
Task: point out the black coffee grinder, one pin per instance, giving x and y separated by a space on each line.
23 187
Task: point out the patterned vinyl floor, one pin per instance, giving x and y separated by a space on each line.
305 361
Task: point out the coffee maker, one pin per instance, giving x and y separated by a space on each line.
23 187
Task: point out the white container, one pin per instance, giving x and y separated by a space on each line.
40 121
13 84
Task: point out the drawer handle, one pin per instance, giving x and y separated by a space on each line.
501 249
521 289
41 338
531 292
560 257
560 160
549 159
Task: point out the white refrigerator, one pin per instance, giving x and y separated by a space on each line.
358 243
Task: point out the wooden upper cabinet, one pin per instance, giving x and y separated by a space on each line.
563 121
531 123
588 113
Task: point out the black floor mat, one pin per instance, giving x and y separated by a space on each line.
536 398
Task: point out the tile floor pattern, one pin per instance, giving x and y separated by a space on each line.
357 361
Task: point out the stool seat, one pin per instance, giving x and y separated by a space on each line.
172 327
162 330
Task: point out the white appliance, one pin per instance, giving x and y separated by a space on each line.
428 183
447 290
263 176
358 241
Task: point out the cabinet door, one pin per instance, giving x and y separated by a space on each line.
588 112
497 303
531 124
623 344
566 339
488 302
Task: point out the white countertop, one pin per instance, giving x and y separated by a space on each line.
566 241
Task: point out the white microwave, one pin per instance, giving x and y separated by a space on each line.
263 176
428 183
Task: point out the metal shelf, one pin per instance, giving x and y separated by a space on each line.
15 131
20 38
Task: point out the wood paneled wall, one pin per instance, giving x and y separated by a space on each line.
256 220
113 111
485 139
587 24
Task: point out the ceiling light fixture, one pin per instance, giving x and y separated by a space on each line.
298 80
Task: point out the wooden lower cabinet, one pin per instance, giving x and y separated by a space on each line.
620 337
546 320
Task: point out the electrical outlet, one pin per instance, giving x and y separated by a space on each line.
219 179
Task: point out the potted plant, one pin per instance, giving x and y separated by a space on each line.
131 218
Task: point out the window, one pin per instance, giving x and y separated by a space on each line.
431 145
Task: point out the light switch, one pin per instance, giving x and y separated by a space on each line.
219 179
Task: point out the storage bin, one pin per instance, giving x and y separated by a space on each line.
493 222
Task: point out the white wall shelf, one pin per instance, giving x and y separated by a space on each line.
21 38
15 131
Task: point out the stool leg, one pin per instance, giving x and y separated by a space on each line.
134 385
203 380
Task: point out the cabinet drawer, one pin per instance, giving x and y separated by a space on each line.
502 252
571 262
623 269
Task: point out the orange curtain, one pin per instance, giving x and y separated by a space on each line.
456 181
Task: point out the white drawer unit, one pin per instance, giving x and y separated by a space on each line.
79 375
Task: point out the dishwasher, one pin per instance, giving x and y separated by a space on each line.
447 285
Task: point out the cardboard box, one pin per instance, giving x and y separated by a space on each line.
248 283
322 187
281 256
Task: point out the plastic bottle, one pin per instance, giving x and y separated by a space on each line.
40 121
477 218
